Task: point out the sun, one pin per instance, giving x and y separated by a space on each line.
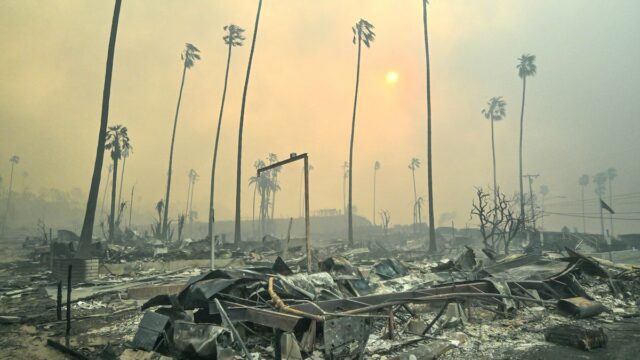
392 77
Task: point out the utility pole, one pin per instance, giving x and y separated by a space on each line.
530 177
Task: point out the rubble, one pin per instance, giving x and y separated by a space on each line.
361 304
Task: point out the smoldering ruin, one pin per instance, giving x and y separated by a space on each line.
507 244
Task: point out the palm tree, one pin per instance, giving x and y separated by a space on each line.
133 188
254 181
432 229
116 142
106 186
189 57
495 111
273 158
233 38
583 181
125 155
526 67
362 33
14 160
238 227
345 177
376 167
265 186
612 173
89 216
193 177
415 164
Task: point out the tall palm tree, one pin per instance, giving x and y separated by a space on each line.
254 181
238 227
600 179
376 168
273 158
415 164
232 38
583 181
362 33
14 160
189 57
89 216
345 177
526 67
133 188
116 142
432 230
612 173
125 155
495 111
106 186
193 177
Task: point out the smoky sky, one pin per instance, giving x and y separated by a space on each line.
581 117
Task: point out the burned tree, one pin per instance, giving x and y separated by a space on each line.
499 223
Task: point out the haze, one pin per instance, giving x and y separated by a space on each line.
582 113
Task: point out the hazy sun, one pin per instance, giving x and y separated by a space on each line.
392 77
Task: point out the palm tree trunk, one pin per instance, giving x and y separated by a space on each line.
495 181
189 183
374 197
124 164
415 201
584 221
131 205
253 212
238 227
104 194
273 205
165 218
90 213
344 194
193 189
524 88
114 183
432 230
353 129
215 147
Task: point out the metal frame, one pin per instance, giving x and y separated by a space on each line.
291 159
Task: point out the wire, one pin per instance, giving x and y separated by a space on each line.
590 217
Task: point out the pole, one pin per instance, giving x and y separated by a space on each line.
68 305
59 302
601 223
306 212
533 215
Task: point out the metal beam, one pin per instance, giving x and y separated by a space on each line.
307 222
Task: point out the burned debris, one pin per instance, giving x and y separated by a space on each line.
380 301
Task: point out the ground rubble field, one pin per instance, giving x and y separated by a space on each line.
366 303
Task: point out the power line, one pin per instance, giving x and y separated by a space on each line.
628 196
589 216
